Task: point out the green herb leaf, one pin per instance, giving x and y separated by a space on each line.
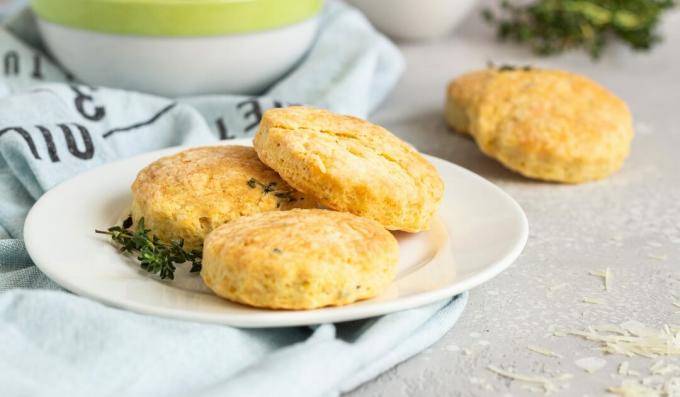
553 26
154 256
282 196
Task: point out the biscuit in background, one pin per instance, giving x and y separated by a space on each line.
299 259
545 124
350 165
463 96
187 195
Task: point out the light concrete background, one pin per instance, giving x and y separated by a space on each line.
629 222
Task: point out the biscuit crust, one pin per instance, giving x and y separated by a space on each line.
545 124
350 165
299 259
187 195
462 96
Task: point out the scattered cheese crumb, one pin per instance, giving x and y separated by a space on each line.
597 274
656 366
452 348
606 277
672 387
623 368
631 388
548 384
659 368
544 351
564 376
658 257
652 380
591 364
610 328
480 382
632 338
593 301
650 386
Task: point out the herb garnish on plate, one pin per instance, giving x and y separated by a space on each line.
154 256
161 258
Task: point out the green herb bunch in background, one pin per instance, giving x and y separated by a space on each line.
552 26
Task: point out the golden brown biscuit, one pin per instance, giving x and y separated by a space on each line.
464 95
350 165
187 195
545 124
299 259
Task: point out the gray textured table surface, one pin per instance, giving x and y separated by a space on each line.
629 223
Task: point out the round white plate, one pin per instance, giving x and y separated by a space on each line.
479 232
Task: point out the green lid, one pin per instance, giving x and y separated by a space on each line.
176 17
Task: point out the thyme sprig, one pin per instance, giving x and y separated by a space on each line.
553 26
154 256
508 67
282 196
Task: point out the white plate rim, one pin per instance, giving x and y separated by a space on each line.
275 318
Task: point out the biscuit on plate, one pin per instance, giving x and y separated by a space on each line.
545 124
299 259
350 165
187 195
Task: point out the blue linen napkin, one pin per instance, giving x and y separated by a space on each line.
55 343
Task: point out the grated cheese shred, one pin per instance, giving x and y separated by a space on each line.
548 384
635 388
592 301
590 364
634 339
544 351
606 277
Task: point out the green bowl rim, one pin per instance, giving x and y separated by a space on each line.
176 17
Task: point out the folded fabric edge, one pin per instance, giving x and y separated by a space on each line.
430 332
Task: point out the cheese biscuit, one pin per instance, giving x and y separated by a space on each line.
299 259
545 124
187 195
350 165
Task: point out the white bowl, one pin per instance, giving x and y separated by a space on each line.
244 63
414 19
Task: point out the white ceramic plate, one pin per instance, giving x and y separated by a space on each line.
479 232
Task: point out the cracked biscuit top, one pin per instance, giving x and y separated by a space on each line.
351 165
188 194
